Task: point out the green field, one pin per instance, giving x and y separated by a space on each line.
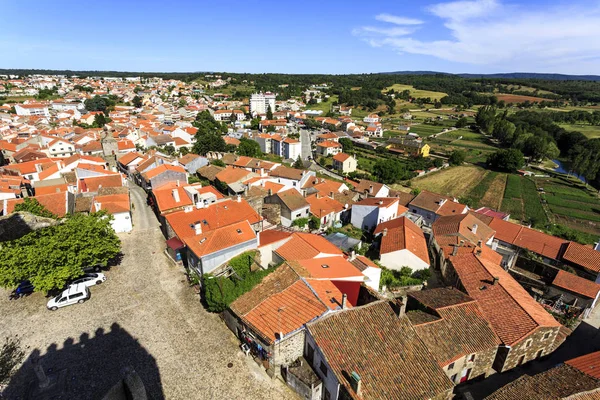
325 106
522 201
416 92
476 194
591 131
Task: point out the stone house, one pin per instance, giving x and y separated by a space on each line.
455 331
270 318
526 330
344 163
293 206
162 175
336 346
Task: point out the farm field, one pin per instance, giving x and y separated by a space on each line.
525 89
325 106
570 203
453 181
515 98
416 92
591 131
522 201
425 130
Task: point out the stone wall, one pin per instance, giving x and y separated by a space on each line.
526 350
166 177
272 213
289 349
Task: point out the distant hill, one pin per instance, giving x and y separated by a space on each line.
510 75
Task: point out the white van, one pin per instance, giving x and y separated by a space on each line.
73 294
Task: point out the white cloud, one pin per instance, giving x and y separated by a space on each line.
393 19
389 32
489 33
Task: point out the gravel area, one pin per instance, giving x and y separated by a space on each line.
144 316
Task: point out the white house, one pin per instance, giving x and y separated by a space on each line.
372 211
290 149
402 244
371 118
60 148
32 109
260 102
328 148
118 206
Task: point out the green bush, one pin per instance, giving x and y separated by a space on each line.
220 292
572 234
300 222
394 279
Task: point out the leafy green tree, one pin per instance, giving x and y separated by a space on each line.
485 118
137 102
504 131
254 124
169 149
506 159
208 142
99 120
457 157
461 122
182 103
314 222
347 145
33 206
184 150
98 103
248 147
218 163
52 256
388 170
269 113
298 164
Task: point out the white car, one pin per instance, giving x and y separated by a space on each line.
90 279
73 294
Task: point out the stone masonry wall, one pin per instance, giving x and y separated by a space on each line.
529 351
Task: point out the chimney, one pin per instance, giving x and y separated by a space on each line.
198 228
370 189
176 195
495 280
352 256
454 250
385 232
355 383
380 202
239 198
177 182
462 243
344 300
318 195
399 306
331 194
270 193
474 228
479 243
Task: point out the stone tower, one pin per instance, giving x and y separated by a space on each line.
110 148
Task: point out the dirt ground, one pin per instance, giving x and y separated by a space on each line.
454 181
143 317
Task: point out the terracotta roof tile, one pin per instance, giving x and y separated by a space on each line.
402 234
583 256
576 284
303 246
589 364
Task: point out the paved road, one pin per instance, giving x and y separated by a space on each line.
144 316
317 168
306 145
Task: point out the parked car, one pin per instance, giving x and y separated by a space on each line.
90 279
25 288
73 294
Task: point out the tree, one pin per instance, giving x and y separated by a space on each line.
184 150
504 131
33 206
485 118
218 163
249 148
388 170
99 120
254 124
11 356
461 123
298 164
98 103
52 256
182 103
137 102
457 157
208 142
314 222
269 113
507 159
347 145
169 149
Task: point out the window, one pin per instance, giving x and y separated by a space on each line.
323 369
450 366
310 353
528 343
298 215
471 358
76 295
453 378
62 300
546 335
539 353
521 360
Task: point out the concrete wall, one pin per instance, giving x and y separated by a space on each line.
364 217
398 259
122 222
166 177
330 382
214 260
302 389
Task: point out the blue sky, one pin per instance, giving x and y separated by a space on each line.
479 36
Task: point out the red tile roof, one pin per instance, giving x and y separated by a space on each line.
576 284
163 168
341 157
323 205
327 268
583 256
272 236
56 203
383 349
231 175
589 364
527 238
303 246
113 204
402 234
467 226
209 242
93 183
513 313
